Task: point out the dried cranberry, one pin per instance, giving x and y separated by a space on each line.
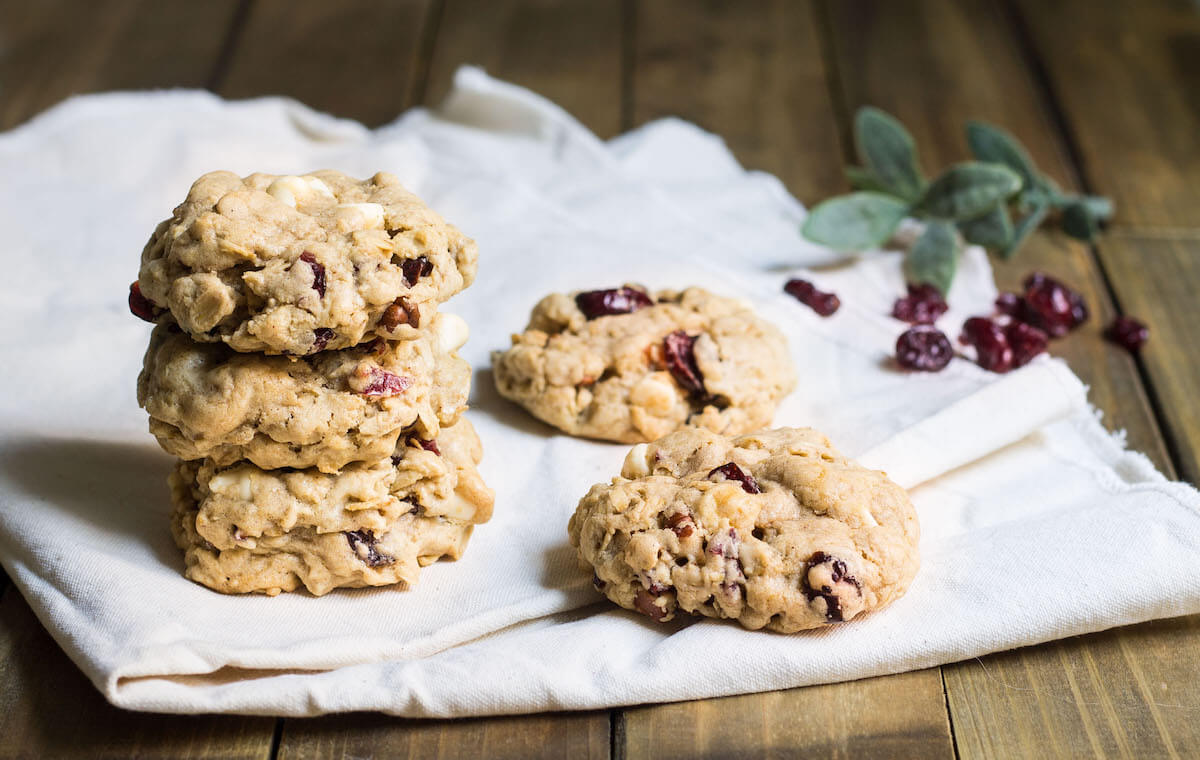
1052 306
728 547
680 358
924 348
362 543
828 578
318 271
807 293
1009 303
142 307
681 523
597 583
602 303
645 603
1026 341
992 349
400 312
922 306
732 472
321 338
415 269
378 382
1127 332
428 445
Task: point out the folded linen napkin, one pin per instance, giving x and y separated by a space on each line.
1032 515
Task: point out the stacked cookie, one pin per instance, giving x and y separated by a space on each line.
303 375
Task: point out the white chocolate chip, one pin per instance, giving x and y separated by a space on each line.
361 216
638 462
455 508
291 189
655 393
232 485
318 187
452 332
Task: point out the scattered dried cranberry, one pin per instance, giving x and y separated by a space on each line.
318 271
993 352
602 303
1052 306
142 307
1026 341
378 382
400 312
680 359
430 445
1127 332
645 603
681 523
362 543
415 269
807 293
924 348
827 577
922 306
732 472
1009 303
321 338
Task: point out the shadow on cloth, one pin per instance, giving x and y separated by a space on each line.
113 485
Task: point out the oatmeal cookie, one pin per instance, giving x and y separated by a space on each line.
299 264
325 410
625 365
774 529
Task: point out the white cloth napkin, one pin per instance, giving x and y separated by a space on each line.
1036 523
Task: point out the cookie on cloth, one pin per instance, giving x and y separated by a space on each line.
627 365
774 529
299 264
243 529
325 410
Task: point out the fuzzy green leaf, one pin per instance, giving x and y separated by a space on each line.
934 257
992 230
1079 222
854 222
889 152
969 189
994 145
1024 228
863 179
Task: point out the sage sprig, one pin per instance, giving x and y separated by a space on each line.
995 201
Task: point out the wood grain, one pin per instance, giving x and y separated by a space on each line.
567 735
358 59
49 709
752 73
568 51
54 48
1125 77
901 716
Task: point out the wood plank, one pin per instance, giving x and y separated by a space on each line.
573 735
935 65
569 52
358 59
1129 692
754 74
49 709
55 48
1125 77
750 72
890 717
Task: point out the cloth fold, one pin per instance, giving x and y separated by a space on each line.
1036 523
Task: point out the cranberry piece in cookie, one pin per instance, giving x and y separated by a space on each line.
415 269
363 544
680 359
318 272
140 306
602 303
369 380
827 578
732 472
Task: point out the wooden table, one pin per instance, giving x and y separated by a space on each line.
1106 95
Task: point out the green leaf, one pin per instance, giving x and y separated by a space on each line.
934 257
889 152
969 189
992 230
863 179
1079 222
854 222
994 145
1024 228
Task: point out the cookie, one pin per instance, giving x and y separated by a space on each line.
325 410
243 529
623 365
773 529
295 265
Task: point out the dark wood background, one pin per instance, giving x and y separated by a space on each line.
1105 94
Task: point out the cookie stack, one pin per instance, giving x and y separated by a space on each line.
301 372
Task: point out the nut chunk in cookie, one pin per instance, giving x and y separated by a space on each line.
300 264
627 365
774 529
